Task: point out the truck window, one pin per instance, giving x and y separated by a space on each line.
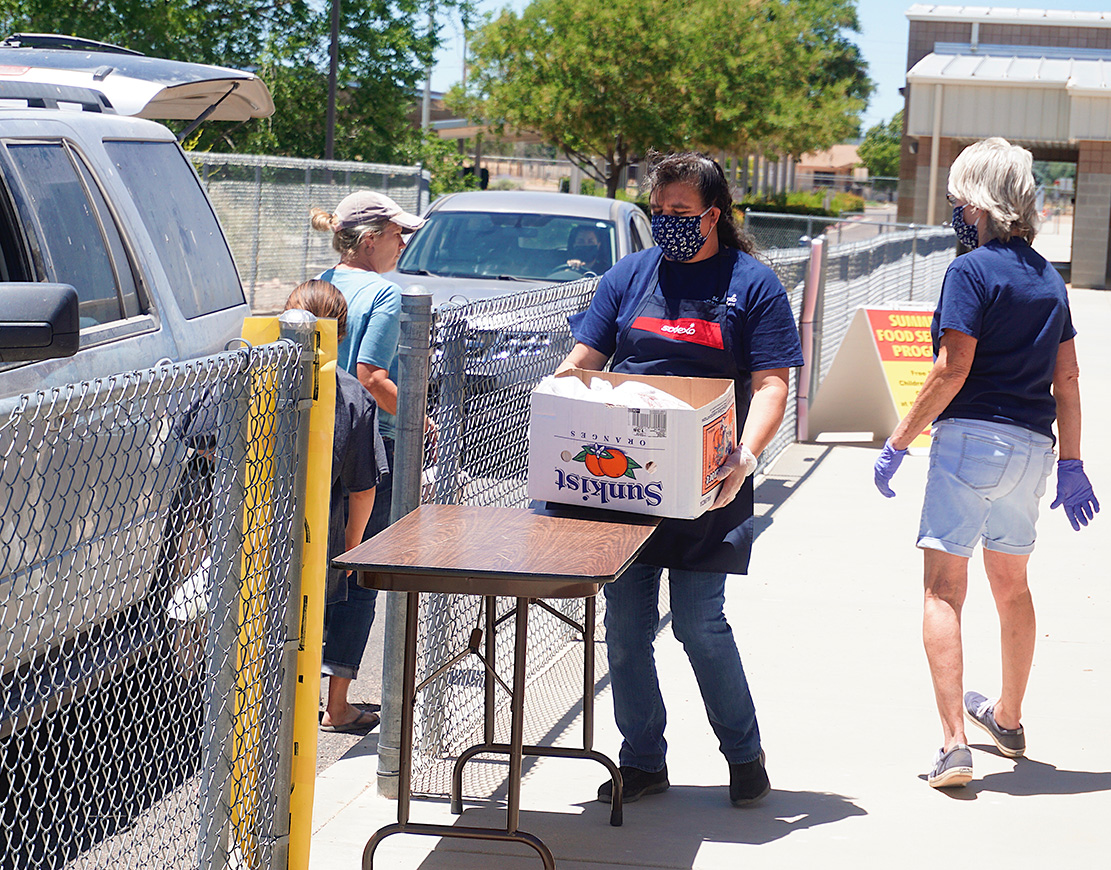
13 262
80 242
181 224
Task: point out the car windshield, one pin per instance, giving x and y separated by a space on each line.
507 245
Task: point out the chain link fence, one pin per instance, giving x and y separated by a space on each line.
263 204
487 357
147 538
904 265
779 231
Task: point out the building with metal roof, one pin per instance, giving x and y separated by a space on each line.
1039 78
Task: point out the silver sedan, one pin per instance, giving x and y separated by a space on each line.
481 244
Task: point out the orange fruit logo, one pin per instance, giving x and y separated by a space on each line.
603 461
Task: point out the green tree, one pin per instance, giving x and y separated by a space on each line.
1048 171
880 149
607 82
384 48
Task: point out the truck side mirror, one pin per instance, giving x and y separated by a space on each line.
38 321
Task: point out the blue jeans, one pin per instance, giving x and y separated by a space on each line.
346 629
632 617
984 485
347 623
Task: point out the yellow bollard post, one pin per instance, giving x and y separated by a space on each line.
258 509
322 421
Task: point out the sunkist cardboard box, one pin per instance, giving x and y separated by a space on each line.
638 460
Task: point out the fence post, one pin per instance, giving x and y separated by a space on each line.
257 231
913 257
412 401
449 411
220 643
819 318
299 327
306 226
812 288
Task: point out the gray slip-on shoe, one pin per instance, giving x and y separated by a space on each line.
951 769
980 711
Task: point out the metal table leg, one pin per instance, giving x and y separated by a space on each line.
587 751
517 703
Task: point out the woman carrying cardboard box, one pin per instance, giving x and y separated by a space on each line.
698 304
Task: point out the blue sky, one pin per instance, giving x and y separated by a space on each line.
882 40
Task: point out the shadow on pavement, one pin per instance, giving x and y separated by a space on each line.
665 831
1030 778
1041 778
789 471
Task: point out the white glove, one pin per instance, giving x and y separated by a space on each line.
732 473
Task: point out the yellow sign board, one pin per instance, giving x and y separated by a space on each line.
876 375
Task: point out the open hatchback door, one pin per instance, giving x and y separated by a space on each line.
134 84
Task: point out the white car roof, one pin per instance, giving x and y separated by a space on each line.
531 201
145 87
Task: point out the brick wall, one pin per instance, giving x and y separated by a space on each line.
914 179
1092 223
923 35
1044 34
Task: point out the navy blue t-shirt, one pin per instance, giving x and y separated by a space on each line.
764 332
1014 304
358 462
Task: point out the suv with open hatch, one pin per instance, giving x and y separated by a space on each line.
111 260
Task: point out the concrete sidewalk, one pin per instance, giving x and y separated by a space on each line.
828 622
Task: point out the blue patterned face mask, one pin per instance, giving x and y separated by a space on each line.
967 234
680 237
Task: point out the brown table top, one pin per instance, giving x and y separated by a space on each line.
518 552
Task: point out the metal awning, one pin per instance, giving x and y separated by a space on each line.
1080 74
1024 93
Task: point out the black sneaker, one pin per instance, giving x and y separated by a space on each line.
748 782
635 783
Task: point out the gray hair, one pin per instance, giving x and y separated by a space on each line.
347 240
997 177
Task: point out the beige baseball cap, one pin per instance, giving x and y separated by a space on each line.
365 206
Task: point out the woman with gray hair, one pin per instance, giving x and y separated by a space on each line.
1005 369
368 232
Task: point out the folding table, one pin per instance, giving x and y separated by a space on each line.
528 554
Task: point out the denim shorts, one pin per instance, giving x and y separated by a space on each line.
984 484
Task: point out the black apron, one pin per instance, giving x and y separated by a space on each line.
719 540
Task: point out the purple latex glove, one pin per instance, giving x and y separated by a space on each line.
1074 491
886 466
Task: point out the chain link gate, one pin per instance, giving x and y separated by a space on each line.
146 548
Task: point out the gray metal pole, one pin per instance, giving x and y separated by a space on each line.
426 101
333 72
449 411
913 257
819 317
412 402
256 234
